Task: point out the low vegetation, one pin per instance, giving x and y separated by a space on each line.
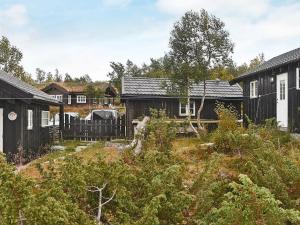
249 176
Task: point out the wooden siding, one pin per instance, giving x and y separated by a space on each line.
265 107
15 132
136 108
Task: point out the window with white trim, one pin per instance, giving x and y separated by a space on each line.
69 99
183 109
57 97
297 79
254 89
29 119
45 118
81 99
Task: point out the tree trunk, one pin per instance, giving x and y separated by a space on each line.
200 127
189 111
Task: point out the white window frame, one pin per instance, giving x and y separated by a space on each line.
29 119
45 116
187 109
254 89
69 99
297 78
57 97
81 99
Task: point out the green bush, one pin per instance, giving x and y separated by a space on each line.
250 204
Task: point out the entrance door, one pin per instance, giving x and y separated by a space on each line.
1 129
282 100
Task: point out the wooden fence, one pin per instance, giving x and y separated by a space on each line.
87 130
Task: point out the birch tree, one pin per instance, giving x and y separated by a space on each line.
199 43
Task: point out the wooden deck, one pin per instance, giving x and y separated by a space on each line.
194 121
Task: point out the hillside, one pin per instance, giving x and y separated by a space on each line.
249 176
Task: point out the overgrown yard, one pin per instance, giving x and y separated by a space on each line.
248 176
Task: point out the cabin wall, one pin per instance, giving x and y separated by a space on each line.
16 133
265 107
136 108
39 136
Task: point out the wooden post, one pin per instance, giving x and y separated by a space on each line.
61 120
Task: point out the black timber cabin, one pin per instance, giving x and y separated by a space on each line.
140 94
272 90
24 117
75 95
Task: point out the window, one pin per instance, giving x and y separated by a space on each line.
29 119
57 97
69 99
282 90
45 118
254 89
183 109
81 99
297 79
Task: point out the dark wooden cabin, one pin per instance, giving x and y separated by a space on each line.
24 116
72 94
272 90
140 94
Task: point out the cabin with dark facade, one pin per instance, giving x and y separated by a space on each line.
140 94
24 116
74 94
272 90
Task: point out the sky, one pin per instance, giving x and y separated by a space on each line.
83 36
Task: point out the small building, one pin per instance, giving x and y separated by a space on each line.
140 94
24 116
272 90
72 94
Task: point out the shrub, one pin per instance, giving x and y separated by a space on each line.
229 137
250 204
159 132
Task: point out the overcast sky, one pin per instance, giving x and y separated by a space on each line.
83 36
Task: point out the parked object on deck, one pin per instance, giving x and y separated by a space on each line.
103 114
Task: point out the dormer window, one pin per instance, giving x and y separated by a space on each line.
254 89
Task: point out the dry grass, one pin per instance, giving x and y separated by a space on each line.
87 154
188 150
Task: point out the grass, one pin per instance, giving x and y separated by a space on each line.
184 148
87 154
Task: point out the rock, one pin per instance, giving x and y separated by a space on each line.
80 148
206 145
58 148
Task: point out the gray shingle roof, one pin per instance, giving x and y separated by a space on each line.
279 60
143 86
27 88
